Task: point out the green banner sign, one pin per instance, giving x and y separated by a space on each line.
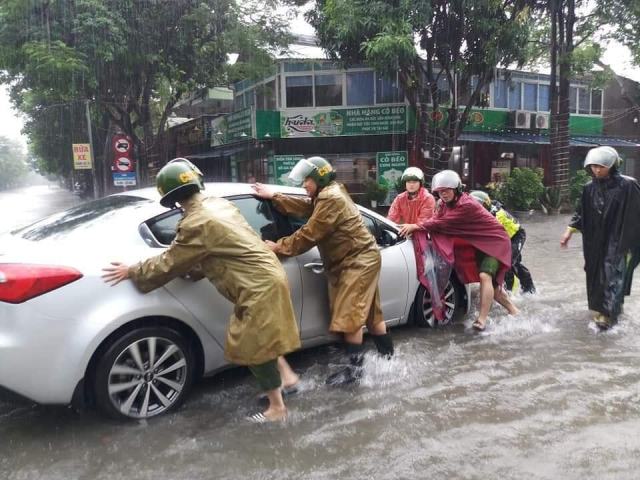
390 166
343 121
282 165
238 126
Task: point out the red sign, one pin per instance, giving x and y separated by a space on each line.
122 151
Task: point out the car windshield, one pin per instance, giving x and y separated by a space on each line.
85 216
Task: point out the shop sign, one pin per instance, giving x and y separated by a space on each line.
282 165
343 121
238 125
390 166
81 156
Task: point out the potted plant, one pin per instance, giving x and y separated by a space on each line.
551 200
523 188
576 184
376 192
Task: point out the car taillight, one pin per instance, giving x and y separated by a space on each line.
20 282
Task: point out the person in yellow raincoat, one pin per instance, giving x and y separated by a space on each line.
350 255
213 240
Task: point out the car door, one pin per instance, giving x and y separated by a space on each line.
201 298
394 280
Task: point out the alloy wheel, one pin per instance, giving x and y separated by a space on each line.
147 377
450 306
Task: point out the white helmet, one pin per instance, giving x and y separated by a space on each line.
412 173
603 156
446 179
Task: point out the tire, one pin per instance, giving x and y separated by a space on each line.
422 311
125 385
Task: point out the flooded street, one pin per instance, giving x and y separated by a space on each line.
539 396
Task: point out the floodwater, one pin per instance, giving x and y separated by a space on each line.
540 396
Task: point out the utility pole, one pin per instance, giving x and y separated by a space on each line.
91 151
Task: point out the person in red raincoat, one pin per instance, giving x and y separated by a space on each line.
458 216
413 206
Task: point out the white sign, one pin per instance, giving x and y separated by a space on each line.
124 179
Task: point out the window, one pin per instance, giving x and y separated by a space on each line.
360 88
388 90
596 102
514 96
543 98
299 91
531 97
164 227
266 96
583 101
444 92
298 67
257 213
238 102
573 91
249 98
328 90
500 94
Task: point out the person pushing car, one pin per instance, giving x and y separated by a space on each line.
213 240
349 253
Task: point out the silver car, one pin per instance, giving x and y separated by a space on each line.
68 337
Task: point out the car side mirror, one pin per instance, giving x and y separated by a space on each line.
388 238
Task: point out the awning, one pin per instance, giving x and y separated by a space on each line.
221 151
525 138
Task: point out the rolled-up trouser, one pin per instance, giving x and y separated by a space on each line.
267 375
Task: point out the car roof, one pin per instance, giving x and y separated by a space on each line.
218 189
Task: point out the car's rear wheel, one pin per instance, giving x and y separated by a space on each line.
423 315
145 373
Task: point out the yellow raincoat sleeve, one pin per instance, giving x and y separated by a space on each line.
294 206
321 224
185 252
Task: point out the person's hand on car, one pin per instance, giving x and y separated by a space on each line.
407 229
115 273
273 246
262 191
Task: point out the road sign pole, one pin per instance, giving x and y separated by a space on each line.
91 152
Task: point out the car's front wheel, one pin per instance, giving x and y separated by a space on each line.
144 373
423 315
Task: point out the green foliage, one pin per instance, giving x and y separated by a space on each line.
457 39
576 184
13 168
551 198
134 60
375 191
523 188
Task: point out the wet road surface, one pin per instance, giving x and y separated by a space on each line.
539 396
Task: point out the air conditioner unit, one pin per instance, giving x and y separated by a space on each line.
521 119
540 120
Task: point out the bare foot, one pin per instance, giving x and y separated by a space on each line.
273 414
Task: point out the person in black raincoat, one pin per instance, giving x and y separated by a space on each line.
608 216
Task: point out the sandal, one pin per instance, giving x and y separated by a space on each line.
257 418
479 327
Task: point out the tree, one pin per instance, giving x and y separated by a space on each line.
133 60
570 52
13 168
445 52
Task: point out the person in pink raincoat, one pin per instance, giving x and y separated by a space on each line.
458 216
413 206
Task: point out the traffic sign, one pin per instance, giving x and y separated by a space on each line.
121 144
124 164
124 179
